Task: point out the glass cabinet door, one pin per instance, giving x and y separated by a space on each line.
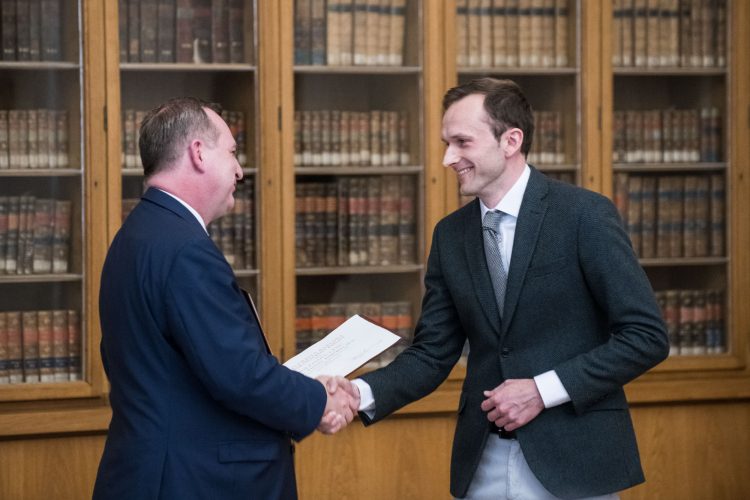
42 196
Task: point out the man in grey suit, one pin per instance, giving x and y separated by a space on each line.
541 279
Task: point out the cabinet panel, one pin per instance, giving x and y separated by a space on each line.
44 332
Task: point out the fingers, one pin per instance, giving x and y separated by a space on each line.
341 405
512 404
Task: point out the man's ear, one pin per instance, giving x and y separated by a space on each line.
195 150
513 141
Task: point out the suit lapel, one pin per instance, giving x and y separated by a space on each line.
530 217
480 275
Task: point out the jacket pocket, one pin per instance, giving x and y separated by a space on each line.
249 451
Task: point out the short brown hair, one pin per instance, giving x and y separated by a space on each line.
166 128
504 102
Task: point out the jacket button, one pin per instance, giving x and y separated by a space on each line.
505 352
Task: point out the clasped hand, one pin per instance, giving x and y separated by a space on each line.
513 404
341 406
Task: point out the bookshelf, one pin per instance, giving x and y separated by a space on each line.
539 45
356 124
671 73
200 49
45 205
97 87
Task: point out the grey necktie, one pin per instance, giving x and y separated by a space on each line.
493 240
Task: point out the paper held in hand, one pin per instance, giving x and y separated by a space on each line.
355 342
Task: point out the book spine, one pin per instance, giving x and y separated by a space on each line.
201 31
61 236
318 32
717 208
46 361
407 231
3 231
499 46
219 31
331 224
23 30
648 217
4 361
60 345
148 33
183 31
122 20
166 31
303 327
9 23
397 32
236 31
74 346
30 346
15 347
473 33
462 33
485 32
43 232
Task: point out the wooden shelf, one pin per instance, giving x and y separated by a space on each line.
358 170
187 67
669 167
41 172
356 70
517 71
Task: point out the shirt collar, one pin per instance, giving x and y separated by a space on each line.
190 209
511 202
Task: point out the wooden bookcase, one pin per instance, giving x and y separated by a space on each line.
50 73
679 83
97 88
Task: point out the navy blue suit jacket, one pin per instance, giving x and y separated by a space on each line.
577 302
200 408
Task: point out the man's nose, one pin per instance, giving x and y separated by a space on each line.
449 157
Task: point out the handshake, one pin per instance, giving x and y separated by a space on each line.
341 405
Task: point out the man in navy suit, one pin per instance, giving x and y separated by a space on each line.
200 407
557 311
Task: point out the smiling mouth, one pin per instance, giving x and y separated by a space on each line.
463 171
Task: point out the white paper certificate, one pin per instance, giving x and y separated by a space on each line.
355 342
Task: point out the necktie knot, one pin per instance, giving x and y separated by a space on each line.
491 220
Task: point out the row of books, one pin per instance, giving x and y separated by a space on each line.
667 136
508 33
670 216
695 321
31 30
346 138
34 235
652 33
33 138
39 346
131 124
182 31
349 32
548 146
315 321
356 221
234 233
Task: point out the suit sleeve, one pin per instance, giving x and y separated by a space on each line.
438 343
213 327
637 338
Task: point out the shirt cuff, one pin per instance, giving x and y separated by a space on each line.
366 399
551 389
